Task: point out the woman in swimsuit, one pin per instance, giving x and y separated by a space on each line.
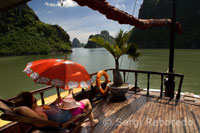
53 112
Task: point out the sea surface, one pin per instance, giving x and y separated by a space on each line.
13 80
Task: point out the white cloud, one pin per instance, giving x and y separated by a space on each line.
121 6
66 3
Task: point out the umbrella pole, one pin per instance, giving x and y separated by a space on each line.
58 91
65 57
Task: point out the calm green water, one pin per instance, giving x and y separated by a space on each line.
187 62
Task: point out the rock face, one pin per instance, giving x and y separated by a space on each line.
188 14
104 34
22 33
76 43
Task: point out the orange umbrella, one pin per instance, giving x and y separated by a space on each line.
59 73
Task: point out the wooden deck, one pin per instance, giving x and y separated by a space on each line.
145 114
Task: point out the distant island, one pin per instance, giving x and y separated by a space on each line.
22 33
76 43
188 14
104 34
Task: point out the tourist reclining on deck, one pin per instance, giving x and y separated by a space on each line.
57 111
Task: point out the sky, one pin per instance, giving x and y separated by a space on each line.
81 22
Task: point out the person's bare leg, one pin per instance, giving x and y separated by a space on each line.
88 108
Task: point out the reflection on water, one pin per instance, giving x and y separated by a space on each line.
13 80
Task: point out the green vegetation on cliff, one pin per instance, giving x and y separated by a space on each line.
104 34
188 14
22 33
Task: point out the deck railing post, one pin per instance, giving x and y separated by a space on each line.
161 87
179 88
124 74
58 91
42 97
148 79
136 76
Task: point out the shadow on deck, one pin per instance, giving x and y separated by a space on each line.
145 114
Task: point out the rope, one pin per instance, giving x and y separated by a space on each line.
129 69
133 12
140 60
129 30
121 62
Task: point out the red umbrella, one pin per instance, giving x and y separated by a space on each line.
59 73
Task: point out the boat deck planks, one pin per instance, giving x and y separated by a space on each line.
145 114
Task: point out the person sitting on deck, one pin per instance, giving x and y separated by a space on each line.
54 111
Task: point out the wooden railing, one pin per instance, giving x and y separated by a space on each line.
124 71
149 73
136 72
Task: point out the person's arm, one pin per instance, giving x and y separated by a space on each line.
59 99
25 111
56 101
69 96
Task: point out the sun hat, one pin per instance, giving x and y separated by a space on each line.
68 103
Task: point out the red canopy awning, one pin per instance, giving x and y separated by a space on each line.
124 18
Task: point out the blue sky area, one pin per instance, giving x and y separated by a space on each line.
81 22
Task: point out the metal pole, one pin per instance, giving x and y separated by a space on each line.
171 54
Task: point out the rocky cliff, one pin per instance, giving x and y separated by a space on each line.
104 34
188 14
76 43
